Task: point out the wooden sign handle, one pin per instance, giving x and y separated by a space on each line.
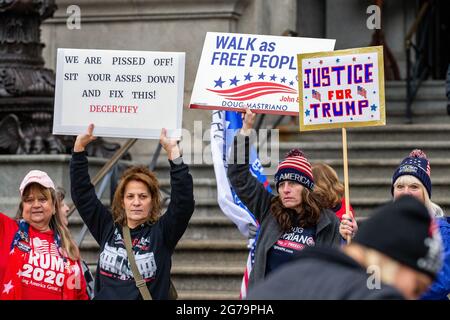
346 188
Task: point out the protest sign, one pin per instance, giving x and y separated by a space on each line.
126 94
239 71
341 89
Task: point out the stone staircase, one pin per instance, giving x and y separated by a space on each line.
209 260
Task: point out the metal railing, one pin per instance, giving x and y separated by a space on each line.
418 71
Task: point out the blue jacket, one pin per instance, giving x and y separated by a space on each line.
440 288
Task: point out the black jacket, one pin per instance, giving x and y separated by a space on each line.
322 273
258 200
153 245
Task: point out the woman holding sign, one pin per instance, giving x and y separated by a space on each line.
290 221
136 208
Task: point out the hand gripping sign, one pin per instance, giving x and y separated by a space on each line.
341 89
127 94
239 71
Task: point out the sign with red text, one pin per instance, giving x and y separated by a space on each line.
126 94
341 89
239 71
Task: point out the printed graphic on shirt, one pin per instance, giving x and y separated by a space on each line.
45 267
289 244
114 261
295 240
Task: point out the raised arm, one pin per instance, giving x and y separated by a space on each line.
175 221
92 211
249 190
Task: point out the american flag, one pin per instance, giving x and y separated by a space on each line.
362 92
316 94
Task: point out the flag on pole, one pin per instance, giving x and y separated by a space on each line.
224 126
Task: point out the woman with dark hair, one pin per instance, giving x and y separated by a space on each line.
136 205
38 258
289 222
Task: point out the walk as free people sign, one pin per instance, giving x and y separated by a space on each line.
126 94
239 71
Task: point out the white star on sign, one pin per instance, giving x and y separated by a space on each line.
8 286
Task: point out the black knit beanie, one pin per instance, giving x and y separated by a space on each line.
405 231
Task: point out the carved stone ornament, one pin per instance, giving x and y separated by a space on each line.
26 87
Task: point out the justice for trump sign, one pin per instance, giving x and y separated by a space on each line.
126 94
341 89
239 71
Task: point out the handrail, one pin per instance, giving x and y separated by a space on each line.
417 72
415 24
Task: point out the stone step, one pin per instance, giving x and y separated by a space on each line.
199 228
430 89
393 132
206 188
224 251
204 281
359 167
207 295
208 277
370 149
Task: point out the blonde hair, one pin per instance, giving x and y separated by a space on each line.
433 208
327 185
69 248
144 175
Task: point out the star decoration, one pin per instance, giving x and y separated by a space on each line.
307 112
373 107
338 60
283 80
234 81
219 82
354 59
7 287
291 83
19 273
321 61
248 77
273 77
261 76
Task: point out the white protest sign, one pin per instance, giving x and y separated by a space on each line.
126 94
239 71
341 89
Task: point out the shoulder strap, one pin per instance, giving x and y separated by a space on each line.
140 283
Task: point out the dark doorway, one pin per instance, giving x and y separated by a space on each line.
437 37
